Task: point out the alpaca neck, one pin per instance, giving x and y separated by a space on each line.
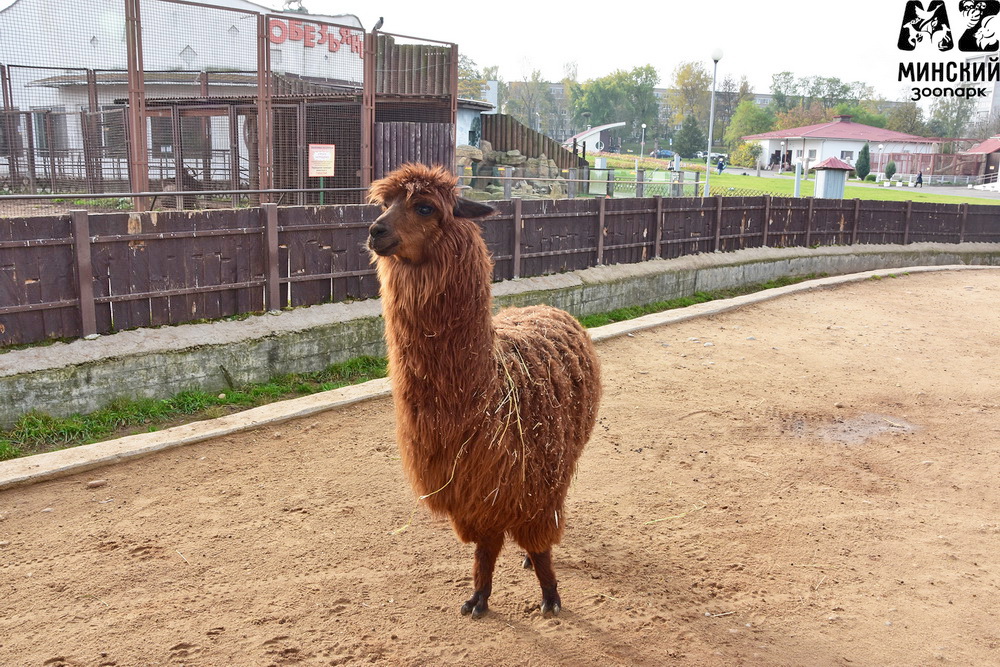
438 322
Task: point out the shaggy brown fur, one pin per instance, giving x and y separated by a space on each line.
491 413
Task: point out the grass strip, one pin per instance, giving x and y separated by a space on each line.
36 432
632 312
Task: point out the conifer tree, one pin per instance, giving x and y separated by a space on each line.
863 165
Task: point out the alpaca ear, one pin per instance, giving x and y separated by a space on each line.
470 210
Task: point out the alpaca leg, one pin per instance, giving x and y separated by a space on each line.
487 550
527 565
551 604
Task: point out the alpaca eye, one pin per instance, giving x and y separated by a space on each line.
424 209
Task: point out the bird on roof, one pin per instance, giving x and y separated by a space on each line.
378 24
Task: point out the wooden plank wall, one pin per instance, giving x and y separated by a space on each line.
505 133
397 143
411 69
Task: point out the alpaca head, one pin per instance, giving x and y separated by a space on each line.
419 203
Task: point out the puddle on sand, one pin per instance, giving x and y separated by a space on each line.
857 430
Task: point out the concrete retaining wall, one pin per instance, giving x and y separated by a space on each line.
85 375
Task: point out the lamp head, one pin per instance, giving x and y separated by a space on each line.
717 55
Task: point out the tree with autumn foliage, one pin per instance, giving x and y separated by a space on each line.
801 116
748 119
908 118
530 101
619 97
691 93
470 80
861 113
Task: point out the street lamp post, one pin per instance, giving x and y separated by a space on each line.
716 57
642 150
781 159
881 147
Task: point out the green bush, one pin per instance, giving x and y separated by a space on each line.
890 169
746 155
870 178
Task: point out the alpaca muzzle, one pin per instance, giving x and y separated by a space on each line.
381 240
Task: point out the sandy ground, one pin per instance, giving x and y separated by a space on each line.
808 481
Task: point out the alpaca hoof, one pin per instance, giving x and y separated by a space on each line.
477 606
551 604
551 609
527 564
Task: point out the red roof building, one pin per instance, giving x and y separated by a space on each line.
840 138
991 145
843 128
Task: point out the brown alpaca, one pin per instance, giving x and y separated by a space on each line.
492 413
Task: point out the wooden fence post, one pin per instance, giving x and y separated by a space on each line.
857 221
906 222
507 175
571 185
718 223
809 221
611 183
658 226
602 204
518 223
640 179
767 221
84 272
965 219
272 284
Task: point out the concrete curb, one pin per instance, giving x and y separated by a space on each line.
40 467
725 305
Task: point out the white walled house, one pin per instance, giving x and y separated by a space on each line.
841 138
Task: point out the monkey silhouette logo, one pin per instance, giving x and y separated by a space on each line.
923 27
980 25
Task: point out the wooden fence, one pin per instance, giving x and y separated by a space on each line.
151 269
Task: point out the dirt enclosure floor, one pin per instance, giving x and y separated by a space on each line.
807 481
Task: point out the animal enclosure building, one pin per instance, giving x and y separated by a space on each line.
152 96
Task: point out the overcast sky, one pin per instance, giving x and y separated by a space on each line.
853 40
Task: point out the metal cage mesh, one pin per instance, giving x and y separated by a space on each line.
203 106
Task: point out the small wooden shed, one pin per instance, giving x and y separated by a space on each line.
831 178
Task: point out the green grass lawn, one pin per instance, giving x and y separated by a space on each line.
751 185
732 177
